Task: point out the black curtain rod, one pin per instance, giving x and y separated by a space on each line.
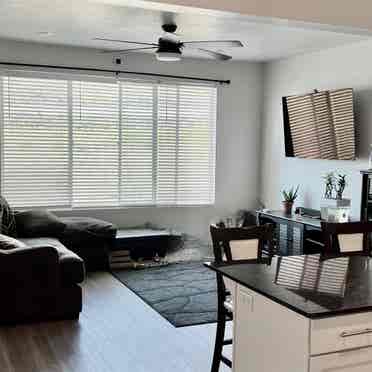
117 72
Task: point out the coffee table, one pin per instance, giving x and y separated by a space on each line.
144 243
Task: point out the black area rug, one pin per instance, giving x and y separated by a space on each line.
183 293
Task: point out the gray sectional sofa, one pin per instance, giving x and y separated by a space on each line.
43 263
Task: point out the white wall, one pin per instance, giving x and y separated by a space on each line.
347 66
239 115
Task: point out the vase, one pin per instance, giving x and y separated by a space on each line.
287 207
335 210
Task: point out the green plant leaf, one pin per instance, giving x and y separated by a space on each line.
291 194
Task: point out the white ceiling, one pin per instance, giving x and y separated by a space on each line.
76 23
341 13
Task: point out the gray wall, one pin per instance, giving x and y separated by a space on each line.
348 66
239 116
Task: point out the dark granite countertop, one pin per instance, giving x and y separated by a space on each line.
310 286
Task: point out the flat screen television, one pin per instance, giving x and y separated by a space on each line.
320 125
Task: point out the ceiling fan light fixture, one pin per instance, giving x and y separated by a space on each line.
168 51
168 56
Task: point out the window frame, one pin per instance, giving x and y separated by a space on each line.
70 78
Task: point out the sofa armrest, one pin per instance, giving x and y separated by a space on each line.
24 268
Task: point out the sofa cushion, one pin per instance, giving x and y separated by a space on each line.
7 242
86 228
36 223
72 266
7 220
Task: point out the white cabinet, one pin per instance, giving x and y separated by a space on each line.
269 337
339 333
359 360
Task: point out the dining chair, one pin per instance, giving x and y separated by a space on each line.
346 239
231 246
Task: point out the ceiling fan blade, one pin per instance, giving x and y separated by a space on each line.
124 41
120 51
216 55
215 43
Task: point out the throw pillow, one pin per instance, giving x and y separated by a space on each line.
7 220
36 223
7 242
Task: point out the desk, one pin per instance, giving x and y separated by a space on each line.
293 234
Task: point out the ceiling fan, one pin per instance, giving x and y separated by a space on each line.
169 48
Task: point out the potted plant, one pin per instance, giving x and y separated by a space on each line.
289 197
333 204
329 182
340 187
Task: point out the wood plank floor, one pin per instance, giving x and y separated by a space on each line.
117 332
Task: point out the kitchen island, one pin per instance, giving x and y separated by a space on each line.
302 314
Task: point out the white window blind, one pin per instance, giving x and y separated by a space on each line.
186 144
77 143
137 137
196 145
35 142
167 144
95 136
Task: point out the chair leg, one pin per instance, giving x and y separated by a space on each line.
218 346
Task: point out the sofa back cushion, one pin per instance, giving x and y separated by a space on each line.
81 230
37 223
7 220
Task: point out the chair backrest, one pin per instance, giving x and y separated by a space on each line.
346 239
237 244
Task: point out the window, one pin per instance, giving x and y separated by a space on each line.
101 143
186 145
35 142
138 152
95 137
